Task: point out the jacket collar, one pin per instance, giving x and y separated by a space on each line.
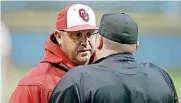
118 56
124 61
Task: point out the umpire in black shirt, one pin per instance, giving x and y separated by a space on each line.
117 77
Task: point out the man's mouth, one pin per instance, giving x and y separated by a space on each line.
85 50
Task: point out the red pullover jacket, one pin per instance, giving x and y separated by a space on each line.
37 85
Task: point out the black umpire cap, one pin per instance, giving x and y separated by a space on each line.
119 27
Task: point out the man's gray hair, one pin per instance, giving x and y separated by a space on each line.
118 47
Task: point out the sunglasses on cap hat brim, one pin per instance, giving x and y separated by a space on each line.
81 27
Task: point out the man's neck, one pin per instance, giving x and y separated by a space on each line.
105 53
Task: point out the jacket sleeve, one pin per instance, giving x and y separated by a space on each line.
171 85
67 91
173 89
25 94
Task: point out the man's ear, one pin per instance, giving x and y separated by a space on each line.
100 42
137 45
58 37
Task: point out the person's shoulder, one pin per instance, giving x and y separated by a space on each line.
36 75
78 72
153 67
163 72
83 68
157 71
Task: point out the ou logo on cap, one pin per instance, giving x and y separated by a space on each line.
84 15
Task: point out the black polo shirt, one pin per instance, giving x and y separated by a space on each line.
118 78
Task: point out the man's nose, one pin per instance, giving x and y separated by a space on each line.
85 41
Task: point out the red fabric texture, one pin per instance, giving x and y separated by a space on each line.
37 85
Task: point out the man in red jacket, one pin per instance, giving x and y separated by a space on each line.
72 44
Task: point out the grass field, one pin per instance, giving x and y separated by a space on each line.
174 73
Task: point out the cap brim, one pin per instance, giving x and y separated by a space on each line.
82 27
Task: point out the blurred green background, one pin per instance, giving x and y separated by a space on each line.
31 22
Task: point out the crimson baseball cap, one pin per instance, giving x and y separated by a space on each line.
76 17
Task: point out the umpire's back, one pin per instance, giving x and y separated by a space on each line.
118 77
